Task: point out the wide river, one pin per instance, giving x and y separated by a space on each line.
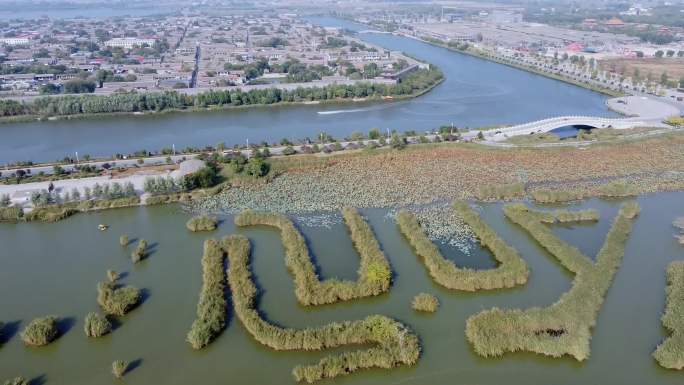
54 269
475 93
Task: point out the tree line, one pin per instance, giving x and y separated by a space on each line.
158 101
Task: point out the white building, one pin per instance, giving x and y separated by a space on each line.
14 41
129 42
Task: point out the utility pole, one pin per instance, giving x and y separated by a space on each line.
174 148
76 157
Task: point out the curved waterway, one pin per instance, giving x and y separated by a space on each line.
54 269
475 93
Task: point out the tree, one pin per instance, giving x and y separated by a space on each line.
374 133
681 82
257 167
397 142
639 54
659 54
664 79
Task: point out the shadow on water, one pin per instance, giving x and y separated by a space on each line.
40 380
8 331
133 365
64 325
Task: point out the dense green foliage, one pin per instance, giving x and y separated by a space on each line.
617 189
556 196
425 302
202 223
96 325
393 344
374 271
670 353
123 240
117 300
40 331
140 102
512 269
212 306
564 327
17 381
12 213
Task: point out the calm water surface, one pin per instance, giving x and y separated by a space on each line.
54 269
475 93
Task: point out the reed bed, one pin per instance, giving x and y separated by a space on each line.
557 196
500 192
374 271
11 214
512 269
119 368
393 344
40 331
123 240
202 223
96 325
564 328
617 189
212 305
425 302
117 300
140 251
670 353
567 216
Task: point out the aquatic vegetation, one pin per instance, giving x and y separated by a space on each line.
12 213
40 331
140 251
564 216
117 300
670 353
123 240
393 344
425 302
202 223
119 368
212 306
112 276
679 224
512 269
500 192
617 189
50 214
96 325
565 326
17 381
374 271
557 196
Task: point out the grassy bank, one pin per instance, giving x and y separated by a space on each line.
563 328
374 270
670 353
392 343
511 271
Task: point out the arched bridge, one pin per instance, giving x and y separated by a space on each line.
546 125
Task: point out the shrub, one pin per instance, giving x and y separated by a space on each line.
115 300
140 251
500 192
96 325
112 275
512 269
119 368
12 213
670 353
617 189
374 271
289 150
202 223
123 240
211 309
556 196
40 332
425 302
392 343
565 326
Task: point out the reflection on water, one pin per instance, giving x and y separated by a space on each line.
54 269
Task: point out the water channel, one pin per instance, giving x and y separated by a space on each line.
54 269
476 93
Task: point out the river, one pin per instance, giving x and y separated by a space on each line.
54 269
475 93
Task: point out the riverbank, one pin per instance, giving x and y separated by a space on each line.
412 86
430 173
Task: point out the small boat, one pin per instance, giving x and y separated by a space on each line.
102 227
